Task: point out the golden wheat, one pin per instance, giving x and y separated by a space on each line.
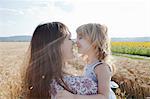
12 55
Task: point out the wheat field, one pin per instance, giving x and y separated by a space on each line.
132 75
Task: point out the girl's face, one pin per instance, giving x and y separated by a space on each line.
67 47
83 44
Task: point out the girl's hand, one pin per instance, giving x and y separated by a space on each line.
64 95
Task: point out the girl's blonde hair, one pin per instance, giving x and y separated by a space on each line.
98 37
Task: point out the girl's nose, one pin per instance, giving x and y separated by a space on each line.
77 42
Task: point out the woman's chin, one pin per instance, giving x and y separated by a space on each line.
69 58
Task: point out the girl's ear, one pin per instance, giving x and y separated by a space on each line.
94 44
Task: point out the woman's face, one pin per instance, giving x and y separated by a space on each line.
67 48
82 44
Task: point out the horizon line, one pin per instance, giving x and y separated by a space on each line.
73 38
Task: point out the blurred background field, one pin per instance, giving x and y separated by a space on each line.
133 48
132 74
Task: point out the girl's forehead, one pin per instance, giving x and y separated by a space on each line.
81 34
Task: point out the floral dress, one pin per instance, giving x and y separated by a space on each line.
78 84
83 85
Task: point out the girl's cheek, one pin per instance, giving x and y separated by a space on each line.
78 45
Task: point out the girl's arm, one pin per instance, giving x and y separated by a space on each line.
103 74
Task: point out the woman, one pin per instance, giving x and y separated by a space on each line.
43 75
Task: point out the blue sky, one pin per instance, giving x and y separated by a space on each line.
124 18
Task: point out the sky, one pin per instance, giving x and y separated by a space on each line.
124 18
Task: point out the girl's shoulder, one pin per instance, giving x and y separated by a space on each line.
103 68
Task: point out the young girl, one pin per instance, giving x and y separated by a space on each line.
93 43
43 75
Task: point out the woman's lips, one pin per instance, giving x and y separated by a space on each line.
78 46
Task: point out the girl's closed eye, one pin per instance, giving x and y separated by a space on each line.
80 37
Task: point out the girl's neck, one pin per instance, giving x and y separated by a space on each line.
91 59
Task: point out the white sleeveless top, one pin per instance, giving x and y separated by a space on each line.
89 72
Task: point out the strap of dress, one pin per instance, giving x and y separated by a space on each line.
64 85
96 64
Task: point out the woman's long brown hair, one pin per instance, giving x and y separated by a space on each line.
45 61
